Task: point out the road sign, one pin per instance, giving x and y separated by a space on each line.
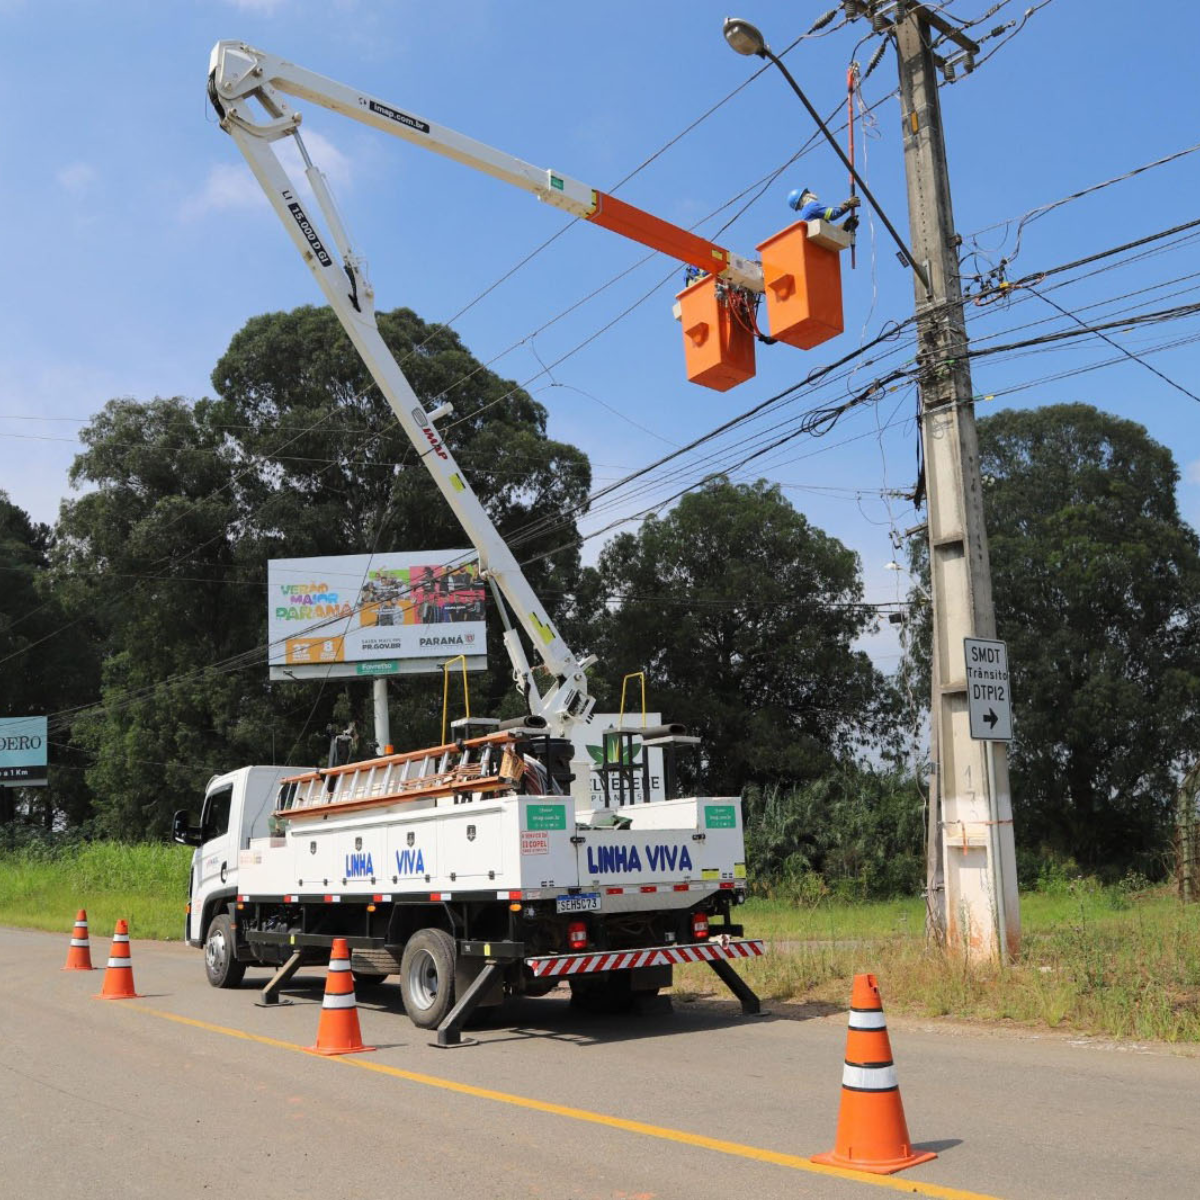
989 696
23 742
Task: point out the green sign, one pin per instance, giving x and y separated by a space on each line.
545 816
720 816
378 668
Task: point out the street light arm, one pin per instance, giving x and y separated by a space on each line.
767 53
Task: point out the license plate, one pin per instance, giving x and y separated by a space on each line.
584 902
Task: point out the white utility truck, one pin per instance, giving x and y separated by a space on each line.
485 866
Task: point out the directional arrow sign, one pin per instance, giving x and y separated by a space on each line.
989 697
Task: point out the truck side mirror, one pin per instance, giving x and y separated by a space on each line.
183 831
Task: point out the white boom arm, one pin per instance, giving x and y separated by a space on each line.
239 75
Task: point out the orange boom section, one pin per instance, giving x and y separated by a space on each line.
640 226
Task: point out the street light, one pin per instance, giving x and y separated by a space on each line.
745 38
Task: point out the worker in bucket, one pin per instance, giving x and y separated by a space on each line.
805 202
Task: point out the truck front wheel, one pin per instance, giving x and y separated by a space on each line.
427 977
220 964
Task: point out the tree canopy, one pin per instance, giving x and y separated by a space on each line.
743 616
165 556
1096 580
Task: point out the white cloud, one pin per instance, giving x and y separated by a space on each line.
232 186
1192 472
228 186
76 177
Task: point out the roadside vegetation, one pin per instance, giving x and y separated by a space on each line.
43 884
1119 960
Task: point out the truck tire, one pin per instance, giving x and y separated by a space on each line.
427 977
220 963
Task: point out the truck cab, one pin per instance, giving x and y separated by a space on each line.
236 809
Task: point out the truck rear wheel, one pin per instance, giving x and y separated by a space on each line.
220 963
427 977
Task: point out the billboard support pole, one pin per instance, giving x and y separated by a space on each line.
383 733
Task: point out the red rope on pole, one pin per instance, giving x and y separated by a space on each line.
851 74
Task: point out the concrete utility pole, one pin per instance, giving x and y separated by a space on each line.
975 880
383 731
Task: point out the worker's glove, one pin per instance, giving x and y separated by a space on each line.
853 202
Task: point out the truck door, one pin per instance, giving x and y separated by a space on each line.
218 854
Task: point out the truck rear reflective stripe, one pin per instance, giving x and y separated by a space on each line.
588 963
291 899
614 891
243 899
649 887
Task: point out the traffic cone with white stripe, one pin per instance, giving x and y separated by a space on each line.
118 979
872 1134
338 1031
79 956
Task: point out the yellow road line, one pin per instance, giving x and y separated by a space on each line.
662 1132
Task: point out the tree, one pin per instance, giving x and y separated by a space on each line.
299 455
40 673
1097 586
856 830
743 616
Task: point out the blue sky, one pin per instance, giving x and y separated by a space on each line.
137 243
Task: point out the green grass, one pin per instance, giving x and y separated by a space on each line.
1092 960
146 884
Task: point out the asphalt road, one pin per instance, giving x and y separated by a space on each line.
167 1096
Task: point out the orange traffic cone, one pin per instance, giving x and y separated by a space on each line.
872 1134
79 956
338 1031
118 979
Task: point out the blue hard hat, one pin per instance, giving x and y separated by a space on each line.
796 198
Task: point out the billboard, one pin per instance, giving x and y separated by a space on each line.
23 745
588 740
375 614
